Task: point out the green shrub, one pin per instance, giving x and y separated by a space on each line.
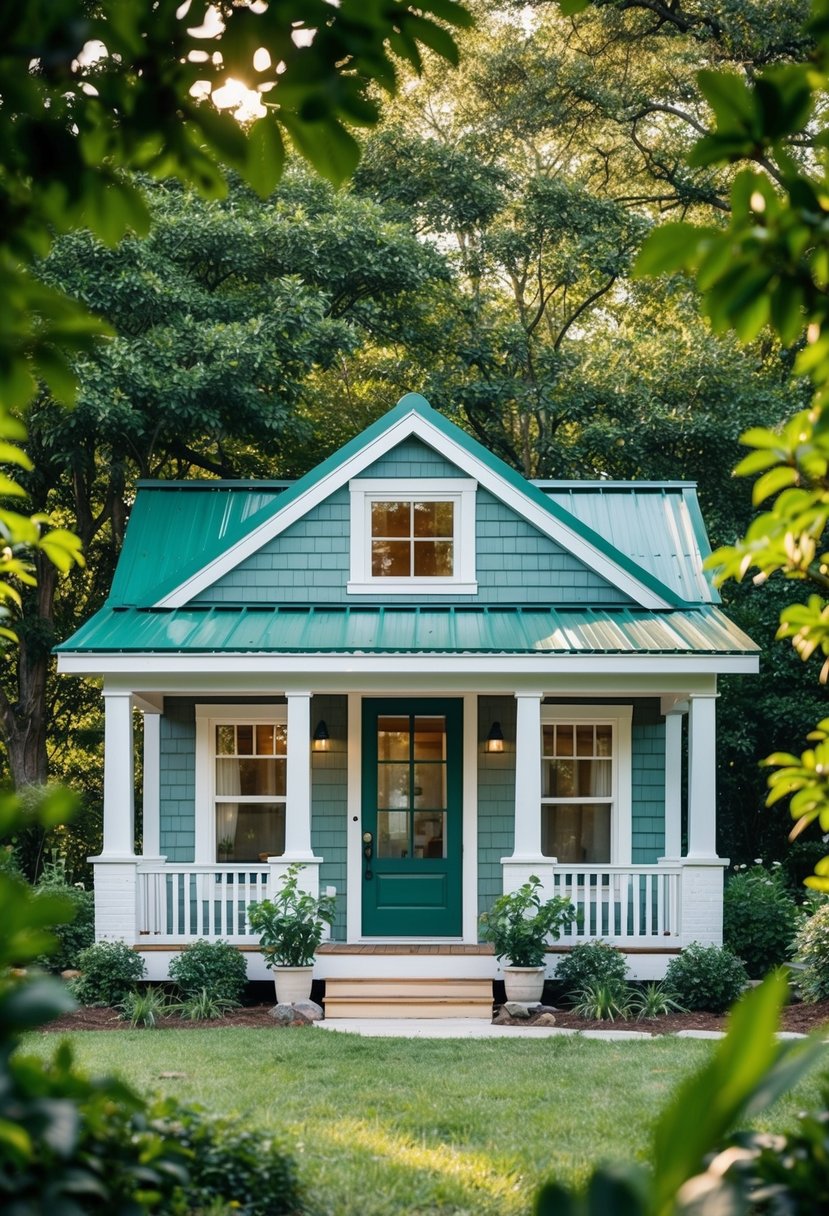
590 962
706 977
811 947
759 918
216 968
73 1145
79 932
110 970
226 1162
604 1000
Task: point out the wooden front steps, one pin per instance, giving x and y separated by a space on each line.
408 998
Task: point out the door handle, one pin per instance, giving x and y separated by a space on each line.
368 852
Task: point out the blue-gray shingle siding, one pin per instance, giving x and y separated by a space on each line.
309 562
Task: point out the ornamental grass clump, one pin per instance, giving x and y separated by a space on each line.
811 948
604 1001
520 923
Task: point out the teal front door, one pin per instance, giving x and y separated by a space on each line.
412 817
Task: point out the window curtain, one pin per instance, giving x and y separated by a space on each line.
228 782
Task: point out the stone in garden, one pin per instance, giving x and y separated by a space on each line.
502 1018
283 1014
311 1009
543 1009
545 1019
516 1010
299 1018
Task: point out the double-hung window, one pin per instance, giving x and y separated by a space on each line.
413 536
241 782
586 784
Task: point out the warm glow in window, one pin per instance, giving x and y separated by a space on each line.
411 539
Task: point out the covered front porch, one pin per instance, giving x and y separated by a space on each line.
650 909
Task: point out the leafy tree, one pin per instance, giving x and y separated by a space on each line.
770 266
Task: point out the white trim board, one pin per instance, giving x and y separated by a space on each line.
362 665
414 424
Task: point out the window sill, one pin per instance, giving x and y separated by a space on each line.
412 586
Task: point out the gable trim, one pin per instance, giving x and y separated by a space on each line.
548 518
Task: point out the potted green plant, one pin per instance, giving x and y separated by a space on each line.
519 925
291 926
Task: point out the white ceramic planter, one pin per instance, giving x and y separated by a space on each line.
524 984
292 984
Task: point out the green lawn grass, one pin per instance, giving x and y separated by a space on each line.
384 1126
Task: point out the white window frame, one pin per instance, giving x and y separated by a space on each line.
208 717
460 491
620 720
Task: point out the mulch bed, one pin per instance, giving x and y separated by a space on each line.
801 1018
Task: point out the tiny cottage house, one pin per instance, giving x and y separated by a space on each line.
425 678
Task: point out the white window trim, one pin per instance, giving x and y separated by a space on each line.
458 490
208 717
620 720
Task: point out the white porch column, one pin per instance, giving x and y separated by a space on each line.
119 794
115 868
673 785
527 776
298 779
151 794
526 858
702 870
702 781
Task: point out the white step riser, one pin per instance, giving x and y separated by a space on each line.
407 1009
470 989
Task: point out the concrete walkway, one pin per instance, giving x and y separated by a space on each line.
482 1028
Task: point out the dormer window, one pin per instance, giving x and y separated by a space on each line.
413 536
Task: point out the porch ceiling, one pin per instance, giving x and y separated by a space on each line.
380 629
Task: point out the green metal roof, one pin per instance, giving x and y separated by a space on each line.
364 629
658 526
148 572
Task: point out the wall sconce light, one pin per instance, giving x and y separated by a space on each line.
321 737
495 738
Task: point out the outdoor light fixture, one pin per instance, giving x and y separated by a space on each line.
495 738
321 737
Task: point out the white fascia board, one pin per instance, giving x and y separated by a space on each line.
413 424
408 664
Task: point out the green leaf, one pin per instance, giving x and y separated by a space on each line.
772 482
332 150
265 156
668 248
732 102
53 367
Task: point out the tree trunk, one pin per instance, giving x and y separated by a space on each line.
24 721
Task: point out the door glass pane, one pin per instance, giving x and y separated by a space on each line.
249 832
391 559
429 738
429 834
392 785
392 834
393 738
430 785
576 833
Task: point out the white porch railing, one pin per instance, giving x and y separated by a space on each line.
625 905
183 902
